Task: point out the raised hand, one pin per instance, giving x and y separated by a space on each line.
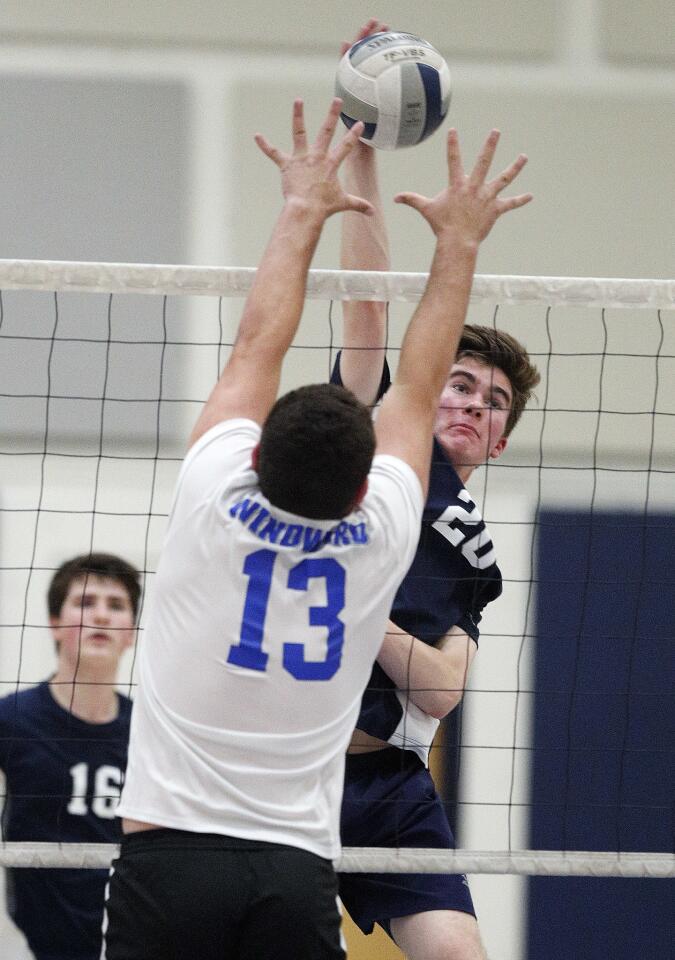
372 26
470 204
309 172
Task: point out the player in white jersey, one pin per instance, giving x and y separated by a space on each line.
284 549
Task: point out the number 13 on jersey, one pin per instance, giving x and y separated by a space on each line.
249 653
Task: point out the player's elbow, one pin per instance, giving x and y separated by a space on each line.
443 702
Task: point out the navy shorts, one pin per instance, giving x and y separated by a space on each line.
390 801
176 895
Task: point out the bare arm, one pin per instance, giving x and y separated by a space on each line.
433 677
249 382
461 216
364 247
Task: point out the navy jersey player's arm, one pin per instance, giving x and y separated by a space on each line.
249 383
364 246
434 677
461 216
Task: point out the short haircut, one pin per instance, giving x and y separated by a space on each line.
316 450
498 349
93 564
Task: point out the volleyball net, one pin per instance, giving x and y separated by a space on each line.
103 369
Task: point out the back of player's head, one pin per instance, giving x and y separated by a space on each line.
316 449
499 349
93 564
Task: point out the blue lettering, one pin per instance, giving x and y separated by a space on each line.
244 509
292 534
258 520
341 534
359 534
271 530
312 539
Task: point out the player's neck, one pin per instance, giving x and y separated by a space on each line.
90 698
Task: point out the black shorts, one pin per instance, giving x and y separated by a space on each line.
390 801
176 895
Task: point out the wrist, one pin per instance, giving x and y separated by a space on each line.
305 209
452 239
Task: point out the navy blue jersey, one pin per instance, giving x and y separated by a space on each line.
453 576
63 780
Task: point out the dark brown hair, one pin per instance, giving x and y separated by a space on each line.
498 349
95 564
316 450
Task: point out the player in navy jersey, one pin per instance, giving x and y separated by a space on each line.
63 753
423 665
291 527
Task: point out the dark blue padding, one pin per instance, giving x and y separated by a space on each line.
603 768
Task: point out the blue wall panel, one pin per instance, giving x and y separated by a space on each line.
603 773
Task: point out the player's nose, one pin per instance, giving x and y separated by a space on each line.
101 612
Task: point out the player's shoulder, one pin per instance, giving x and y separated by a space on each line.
22 703
125 707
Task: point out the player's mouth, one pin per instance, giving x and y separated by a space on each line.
99 638
465 428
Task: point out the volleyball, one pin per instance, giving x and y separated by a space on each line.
397 84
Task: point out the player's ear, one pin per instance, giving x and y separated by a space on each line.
360 494
255 456
499 448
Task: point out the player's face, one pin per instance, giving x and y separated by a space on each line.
472 413
96 622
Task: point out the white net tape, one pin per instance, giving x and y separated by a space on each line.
327 284
546 863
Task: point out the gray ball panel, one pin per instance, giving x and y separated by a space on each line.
353 107
413 106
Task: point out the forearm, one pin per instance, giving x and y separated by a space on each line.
434 677
274 305
249 383
431 340
364 247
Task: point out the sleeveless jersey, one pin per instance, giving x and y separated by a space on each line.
263 632
63 780
453 576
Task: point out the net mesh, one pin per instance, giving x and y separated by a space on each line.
103 368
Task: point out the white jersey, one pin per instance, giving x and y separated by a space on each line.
263 631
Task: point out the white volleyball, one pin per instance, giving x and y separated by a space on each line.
397 84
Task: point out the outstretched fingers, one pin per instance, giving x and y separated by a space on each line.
275 155
298 127
455 167
414 200
512 203
484 159
372 26
507 176
327 128
346 144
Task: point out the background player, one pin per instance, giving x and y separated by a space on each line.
422 668
282 557
63 750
